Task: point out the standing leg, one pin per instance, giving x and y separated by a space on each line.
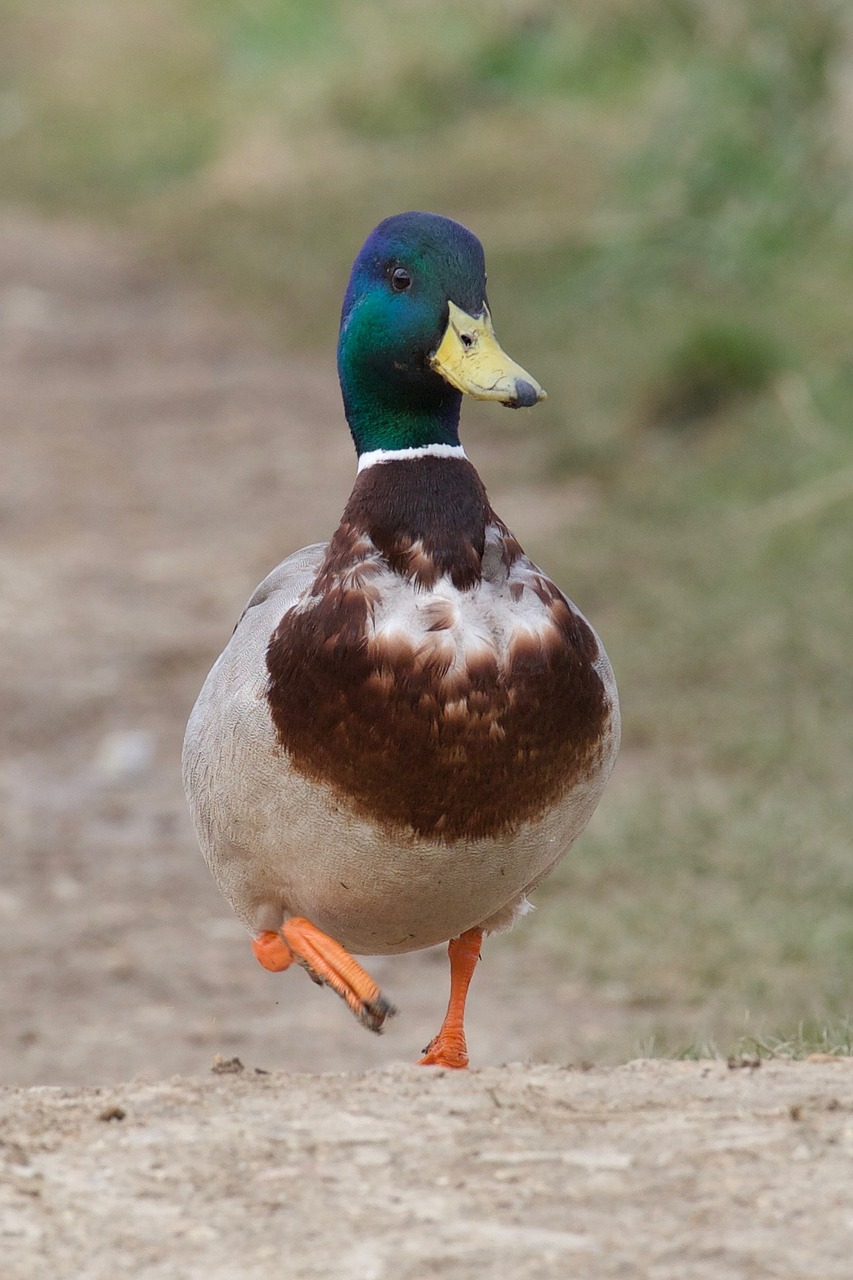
449 1049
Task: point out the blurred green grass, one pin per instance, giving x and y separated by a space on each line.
665 192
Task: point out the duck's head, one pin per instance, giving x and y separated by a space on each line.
416 333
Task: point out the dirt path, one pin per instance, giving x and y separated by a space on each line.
659 1170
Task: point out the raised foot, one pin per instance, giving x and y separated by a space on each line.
329 964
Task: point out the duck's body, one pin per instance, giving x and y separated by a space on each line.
394 761
410 725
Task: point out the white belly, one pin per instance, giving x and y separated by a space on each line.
377 893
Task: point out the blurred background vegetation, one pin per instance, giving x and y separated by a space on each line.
665 192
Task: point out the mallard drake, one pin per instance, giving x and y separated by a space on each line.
411 723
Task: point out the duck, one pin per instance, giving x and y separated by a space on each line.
411 723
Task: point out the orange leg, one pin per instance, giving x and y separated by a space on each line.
328 964
449 1049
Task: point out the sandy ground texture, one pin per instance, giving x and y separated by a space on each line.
657 1170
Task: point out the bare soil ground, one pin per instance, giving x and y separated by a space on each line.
660 1170
157 461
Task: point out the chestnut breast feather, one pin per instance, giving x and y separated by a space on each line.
450 712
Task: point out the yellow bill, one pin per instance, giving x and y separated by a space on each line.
470 359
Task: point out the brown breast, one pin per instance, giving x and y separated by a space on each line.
409 735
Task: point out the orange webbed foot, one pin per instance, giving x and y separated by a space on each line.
329 964
446 1051
448 1048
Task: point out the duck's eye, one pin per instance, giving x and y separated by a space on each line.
400 280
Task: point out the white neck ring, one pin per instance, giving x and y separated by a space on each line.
409 455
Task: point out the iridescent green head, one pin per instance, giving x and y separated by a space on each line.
416 333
